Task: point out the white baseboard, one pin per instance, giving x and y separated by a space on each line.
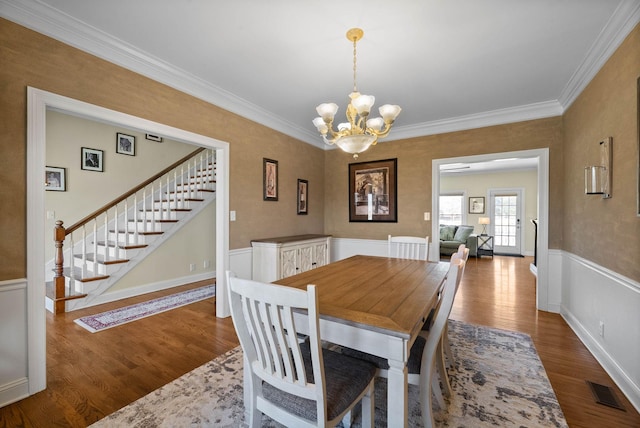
14 391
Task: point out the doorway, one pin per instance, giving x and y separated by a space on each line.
542 160
506 208
38 102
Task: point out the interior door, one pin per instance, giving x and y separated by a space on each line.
506 224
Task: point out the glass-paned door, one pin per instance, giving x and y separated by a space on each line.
507 209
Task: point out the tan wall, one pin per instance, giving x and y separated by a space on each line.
414 175
31 59
606 231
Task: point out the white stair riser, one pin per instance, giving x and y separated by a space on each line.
118 253
131 238
161 215
147 226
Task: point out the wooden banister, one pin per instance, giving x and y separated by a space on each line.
131 192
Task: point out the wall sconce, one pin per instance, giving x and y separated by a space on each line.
597 178
484 221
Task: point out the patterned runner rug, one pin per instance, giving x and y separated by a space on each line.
120 316
498 380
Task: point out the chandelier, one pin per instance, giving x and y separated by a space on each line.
360 132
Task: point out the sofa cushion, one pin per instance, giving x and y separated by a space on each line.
447 232
462 233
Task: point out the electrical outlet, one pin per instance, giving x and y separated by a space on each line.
601 329
192 267
427 216
206 264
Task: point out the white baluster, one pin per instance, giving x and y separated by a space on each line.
95 246
71 260
182 198
168 209
144 209
106 236
153 208
126 220
84 250
115 225
135 218
175 189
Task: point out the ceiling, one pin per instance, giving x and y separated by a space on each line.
451 65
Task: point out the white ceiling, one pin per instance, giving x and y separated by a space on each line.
450 65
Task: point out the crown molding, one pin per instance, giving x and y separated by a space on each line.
49 21
480 120
621 23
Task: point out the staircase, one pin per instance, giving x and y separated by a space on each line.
104 246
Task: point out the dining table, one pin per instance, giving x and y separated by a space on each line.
376 305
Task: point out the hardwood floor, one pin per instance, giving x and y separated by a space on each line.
92 375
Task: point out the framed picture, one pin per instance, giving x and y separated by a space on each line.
152 137
91 159
373 191
55 179
125 144
303 196
476 205
270 179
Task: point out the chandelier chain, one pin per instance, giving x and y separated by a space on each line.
355 41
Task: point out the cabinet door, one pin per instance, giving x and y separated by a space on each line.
288 262
320 254
305 258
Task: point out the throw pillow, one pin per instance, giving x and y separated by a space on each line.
463 233
447 233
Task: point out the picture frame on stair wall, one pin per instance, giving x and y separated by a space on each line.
55 179
125 144
92 159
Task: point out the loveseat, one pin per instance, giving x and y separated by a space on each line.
451 236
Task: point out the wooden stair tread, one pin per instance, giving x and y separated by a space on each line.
121 245
50 292
90 257
77 275
139 233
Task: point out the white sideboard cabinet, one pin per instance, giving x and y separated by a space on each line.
276 258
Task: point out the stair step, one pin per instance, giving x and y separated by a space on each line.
139 233
50 292
90 257
78 276
157 201
122 245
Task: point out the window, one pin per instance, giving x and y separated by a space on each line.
451 209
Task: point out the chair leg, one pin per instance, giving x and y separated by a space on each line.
427 404
346 419
368 407
446 346
442 369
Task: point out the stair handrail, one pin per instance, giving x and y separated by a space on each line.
124 196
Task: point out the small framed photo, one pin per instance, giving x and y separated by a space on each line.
125 144
92 159
476 205
270 179
152 137
55 179
303 196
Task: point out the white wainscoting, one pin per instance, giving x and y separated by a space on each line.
14 383
592 294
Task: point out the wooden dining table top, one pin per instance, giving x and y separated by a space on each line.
378 293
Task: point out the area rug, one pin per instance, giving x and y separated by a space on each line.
497 380
116 317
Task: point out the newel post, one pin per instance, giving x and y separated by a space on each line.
59 234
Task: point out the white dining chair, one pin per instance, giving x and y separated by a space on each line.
423 365
408 247
461 254
296 384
